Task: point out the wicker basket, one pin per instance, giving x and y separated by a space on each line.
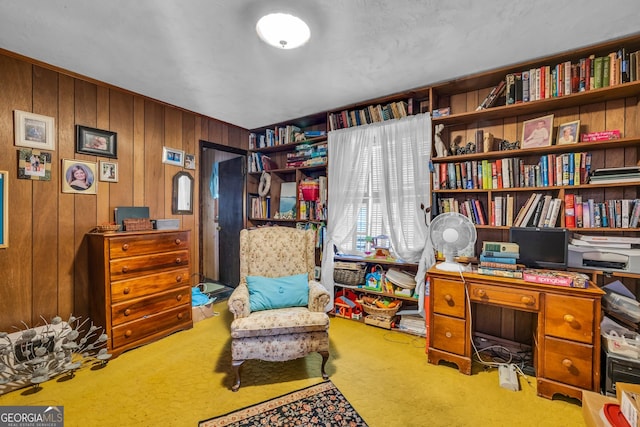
137 224
382 312
349 273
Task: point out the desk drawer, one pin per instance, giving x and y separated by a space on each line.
148 285
448 334
124 246
569 317
448 297
125 268
568 362
144 307
522 299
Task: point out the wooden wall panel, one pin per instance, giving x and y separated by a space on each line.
45 266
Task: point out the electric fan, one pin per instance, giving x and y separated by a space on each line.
451 232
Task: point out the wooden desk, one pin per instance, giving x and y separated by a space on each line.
567 336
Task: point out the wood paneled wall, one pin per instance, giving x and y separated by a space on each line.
43 272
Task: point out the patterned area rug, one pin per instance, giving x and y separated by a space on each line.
318 405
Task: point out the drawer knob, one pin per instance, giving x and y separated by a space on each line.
126 291
125 269
178 241
448 334
127 312
125 246
179 297
128 333
482 293
180 316
569 318
448 298
526 300
567 363
179 278
178 260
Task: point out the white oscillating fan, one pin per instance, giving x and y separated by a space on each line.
451 232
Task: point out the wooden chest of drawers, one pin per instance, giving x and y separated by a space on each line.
139 285
567 331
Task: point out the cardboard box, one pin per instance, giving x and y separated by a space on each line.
592 404
202 312
629 397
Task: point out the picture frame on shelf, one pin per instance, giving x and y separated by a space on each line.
4 209
568 133
537 132
79 177
108 171
34 131
96 142
34 165
173 156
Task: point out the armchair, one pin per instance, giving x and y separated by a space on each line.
291 330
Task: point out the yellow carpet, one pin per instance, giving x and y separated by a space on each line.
185 378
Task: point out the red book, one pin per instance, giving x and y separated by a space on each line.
569 211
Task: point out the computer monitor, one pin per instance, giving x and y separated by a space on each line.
541 247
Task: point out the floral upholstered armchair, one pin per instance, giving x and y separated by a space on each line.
279 310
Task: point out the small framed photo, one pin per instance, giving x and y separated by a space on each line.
79 177
96 142
189 161
34 164
537 132
34 131
568 133
108 171
172 156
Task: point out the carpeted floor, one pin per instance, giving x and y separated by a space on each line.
318 405
186 377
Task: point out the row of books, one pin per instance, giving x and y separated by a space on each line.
539 211
551 170
613 213
258 162
471 208
371 114
278 136
550 81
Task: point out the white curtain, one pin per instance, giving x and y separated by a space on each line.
391 160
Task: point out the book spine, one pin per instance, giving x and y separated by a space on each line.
500 246
499 254
569 211
485 258
501 265
514 274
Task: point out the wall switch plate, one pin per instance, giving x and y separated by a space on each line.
508 376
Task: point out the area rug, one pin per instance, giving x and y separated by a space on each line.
317 405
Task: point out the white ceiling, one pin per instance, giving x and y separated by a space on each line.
204 55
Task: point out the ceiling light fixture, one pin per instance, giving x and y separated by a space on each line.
283 30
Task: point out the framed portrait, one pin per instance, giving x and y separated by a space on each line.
96 142
4 209
182 201
568 133
34 131
79 177
189 161
537 132
34 164
172 156
108 171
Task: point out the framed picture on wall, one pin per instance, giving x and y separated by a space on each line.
172 156
108 171
4 209
34 131
34 164
96 142
79 177
189 161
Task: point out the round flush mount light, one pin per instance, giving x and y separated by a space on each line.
283 31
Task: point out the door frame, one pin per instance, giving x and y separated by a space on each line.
219 147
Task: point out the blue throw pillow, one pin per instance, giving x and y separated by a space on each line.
266 293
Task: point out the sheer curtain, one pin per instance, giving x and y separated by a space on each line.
378 180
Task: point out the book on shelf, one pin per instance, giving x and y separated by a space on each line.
500 254
500 246
557 278
509 260
502 265
514 274
569 211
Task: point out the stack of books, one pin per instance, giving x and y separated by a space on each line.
623 174
500 259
